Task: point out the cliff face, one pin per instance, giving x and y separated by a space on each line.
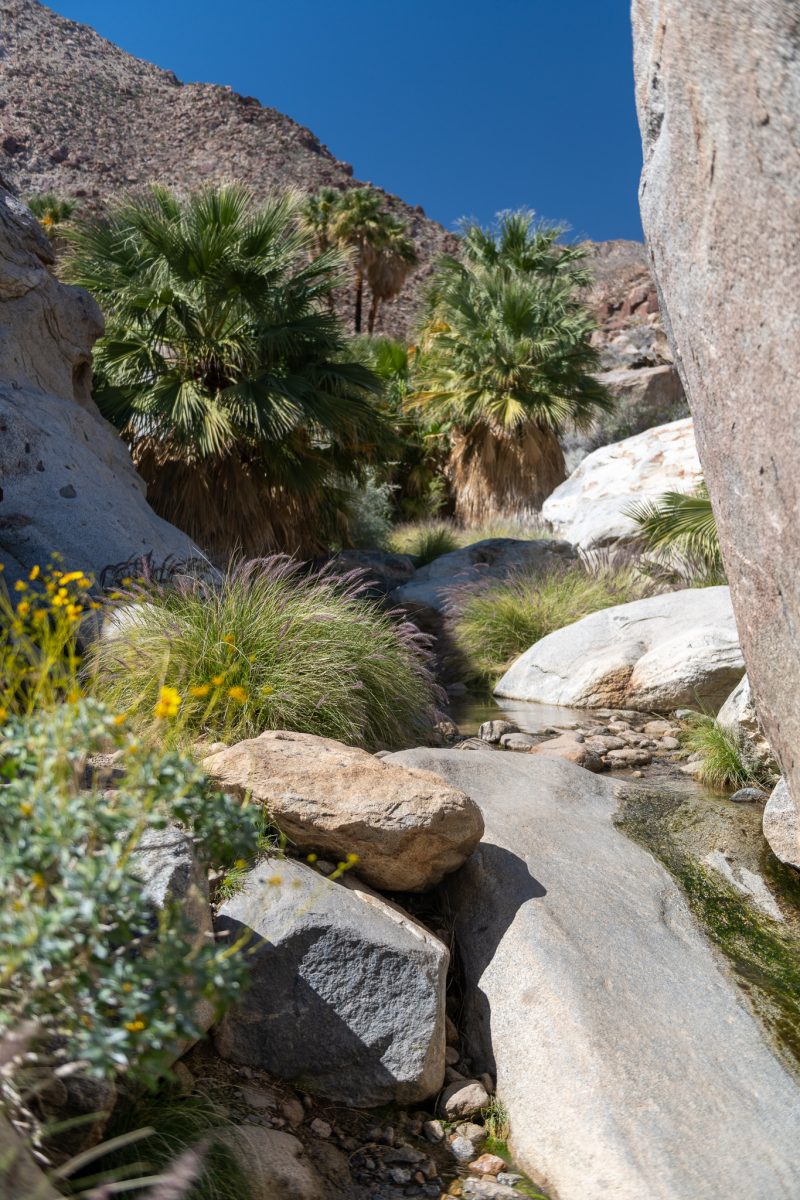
718 94
67 483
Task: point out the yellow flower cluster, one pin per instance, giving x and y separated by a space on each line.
168 703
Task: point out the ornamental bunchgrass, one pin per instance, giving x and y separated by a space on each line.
269 646
40 618
108 978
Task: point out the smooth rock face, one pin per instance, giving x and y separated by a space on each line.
626 1058
718 94
435 586
346 997
67 478
407 828
739 714
782 825
651 655
588 509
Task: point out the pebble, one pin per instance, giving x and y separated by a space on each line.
451 1056
463 1098
404 1153
670 743
475 1133
629 757
657 728
461 1149
748 795
433 1131
320 1128
509 1178
259 1097
294 1112
399 1174
492 731
487 1164
517 741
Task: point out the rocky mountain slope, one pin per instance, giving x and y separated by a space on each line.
80 117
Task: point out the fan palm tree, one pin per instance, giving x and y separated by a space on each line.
506 361
235 387
358 225
390 263
677 523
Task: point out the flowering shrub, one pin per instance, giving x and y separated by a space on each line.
106 978
39 622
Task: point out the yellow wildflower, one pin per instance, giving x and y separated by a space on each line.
237 693
135 1026
23 608
267 690
74 611
120 718
20 585
228 639
71 577
169 701
218 680
311 858
26 808
38 879
200 689
352 859
33 573
3 713
127 987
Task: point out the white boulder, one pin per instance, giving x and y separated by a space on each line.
588 509
654 655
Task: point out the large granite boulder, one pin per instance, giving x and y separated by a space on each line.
346 993
275 1163
68 483
782 825
436 586
628 1063
654 655
646 396
407 828
589 508
718 94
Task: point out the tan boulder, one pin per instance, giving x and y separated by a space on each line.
407 826
567 746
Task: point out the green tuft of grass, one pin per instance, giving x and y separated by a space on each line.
268 647
724 759
499 622
427 540
177 1123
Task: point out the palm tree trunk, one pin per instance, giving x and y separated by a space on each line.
359 298
373 312
503 476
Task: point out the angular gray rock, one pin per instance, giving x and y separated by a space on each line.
782 825
407 829
68 483
738 713
346 993
626 1058
435 586
653 655
718 95
589 508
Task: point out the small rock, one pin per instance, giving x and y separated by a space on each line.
670 743
657 728
320 1128
748 795
629 757
399 1174
509 1178
259 1097
433 1131
517 741
463 1098
451 1056
477 1188
451 1075
683 714
492 731
487 1164
475 1133
404 1153
597 731
294 1112
473 743
461 1148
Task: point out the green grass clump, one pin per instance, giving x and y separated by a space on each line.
502 620
268 647
427 540
724 759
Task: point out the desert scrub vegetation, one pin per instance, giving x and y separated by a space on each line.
496 624
428 540
269 646
724 760
105 978
224 366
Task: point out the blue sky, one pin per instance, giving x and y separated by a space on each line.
463 107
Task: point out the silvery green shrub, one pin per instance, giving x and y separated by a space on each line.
107 980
